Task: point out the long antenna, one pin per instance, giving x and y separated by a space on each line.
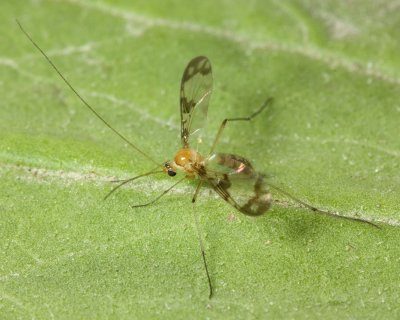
81 98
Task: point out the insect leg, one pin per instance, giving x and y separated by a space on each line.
315 209
123 182
197 224
223 124
197 191
158 197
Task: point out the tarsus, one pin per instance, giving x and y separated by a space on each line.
315 209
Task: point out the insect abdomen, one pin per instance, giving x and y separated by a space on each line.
237 163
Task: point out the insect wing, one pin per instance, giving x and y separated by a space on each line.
196 87
235 180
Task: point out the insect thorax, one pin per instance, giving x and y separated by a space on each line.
188 160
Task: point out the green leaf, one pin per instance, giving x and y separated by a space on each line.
331 138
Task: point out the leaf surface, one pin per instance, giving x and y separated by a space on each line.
331 138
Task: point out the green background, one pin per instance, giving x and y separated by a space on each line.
331 138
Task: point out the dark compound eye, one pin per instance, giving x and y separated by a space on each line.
171 173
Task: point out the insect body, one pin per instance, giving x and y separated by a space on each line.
223 172
231 176
194 165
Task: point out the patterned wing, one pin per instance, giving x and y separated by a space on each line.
235 180
196 87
